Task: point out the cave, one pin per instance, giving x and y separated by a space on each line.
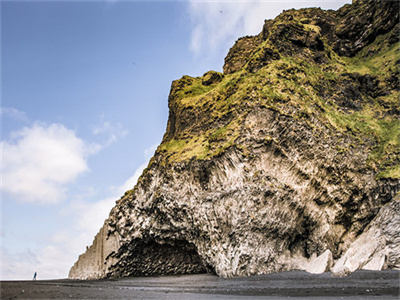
151 258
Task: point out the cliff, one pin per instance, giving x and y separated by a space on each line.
287 160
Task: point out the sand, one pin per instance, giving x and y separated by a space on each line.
298 284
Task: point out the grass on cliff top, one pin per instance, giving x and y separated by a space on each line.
194 90
288 86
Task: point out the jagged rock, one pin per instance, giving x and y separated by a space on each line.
362 22
238 55
320 264
280 165
348 30
376 263
379 243
212 77
265 56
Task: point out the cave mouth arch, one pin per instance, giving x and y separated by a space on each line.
151 258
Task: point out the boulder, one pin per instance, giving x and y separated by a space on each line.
212 77
320 264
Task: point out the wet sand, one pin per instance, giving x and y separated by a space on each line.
301 285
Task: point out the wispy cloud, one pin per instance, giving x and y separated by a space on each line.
17 265
39 161
131 181
14 114
111 131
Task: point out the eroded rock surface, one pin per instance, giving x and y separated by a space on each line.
378 246
280 163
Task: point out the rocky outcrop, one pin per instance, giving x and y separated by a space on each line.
91 264
378 246
362 22
238 55
288 160
348 30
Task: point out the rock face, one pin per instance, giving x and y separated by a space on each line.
378 245
288 160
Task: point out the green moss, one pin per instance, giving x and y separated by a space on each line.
193 89
173 145
310 27
185 148
388 147
271 93
218 135
202 146
289 86
377 59
390 172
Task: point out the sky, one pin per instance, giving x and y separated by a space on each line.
84 104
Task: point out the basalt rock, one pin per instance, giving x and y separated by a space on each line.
238 55
378 245
362 22
288 160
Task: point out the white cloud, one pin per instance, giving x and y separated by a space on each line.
217 24
61 250
149 152
19 265
131 181
38 162
112 131
89 216
50 262
14 114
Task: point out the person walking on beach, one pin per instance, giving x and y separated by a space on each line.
34 276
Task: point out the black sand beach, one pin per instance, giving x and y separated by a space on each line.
297 284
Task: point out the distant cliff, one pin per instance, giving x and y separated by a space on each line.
290 159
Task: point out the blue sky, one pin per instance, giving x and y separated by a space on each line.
84 91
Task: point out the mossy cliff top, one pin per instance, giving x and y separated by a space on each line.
337 71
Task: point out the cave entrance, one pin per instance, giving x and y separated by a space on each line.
170 258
